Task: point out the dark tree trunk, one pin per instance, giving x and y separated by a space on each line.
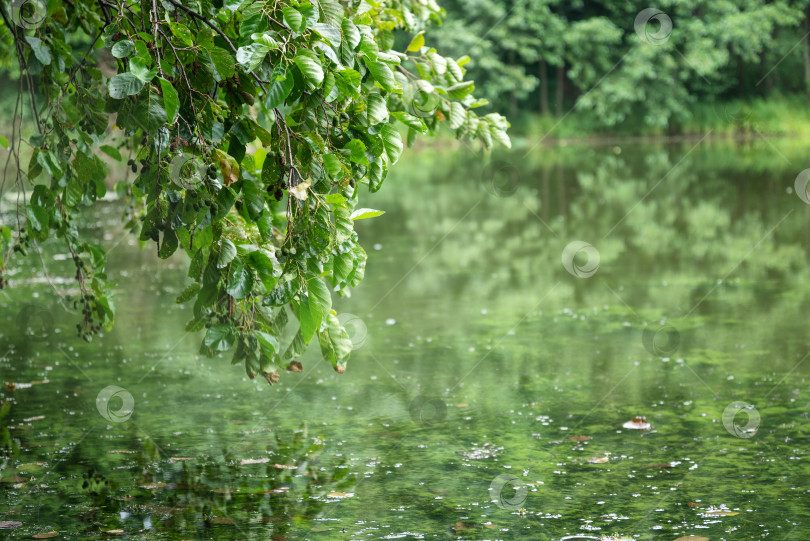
558 108
543 88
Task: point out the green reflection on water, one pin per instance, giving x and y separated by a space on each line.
479 355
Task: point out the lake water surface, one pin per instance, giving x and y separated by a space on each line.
495 366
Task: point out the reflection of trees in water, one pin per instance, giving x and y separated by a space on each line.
221 496
654 215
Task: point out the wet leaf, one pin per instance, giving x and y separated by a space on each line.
579 438
598 460
692 538
340 494
8 524
46 535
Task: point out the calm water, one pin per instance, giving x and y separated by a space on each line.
489 387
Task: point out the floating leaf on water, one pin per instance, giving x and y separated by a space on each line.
462 405
638 423
180 458
692 538
37 418
598 460
46 535
248 461
340 494
579 438
8 524
279 490
693 504
121 452
283 467
113 532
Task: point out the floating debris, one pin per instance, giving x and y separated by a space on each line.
284 467
487 450
249 461
8 524
46 535
719 512
638 423
340 494
692 538
599 460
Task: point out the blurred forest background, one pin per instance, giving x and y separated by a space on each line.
611 67
725 66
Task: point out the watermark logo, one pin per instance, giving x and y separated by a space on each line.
28 14
645 28
749 429
800 186
507 492
34 322
427 410
501 179
580 259
661 340
187 171
423 101
355 328
106 403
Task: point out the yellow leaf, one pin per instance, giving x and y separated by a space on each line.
417 42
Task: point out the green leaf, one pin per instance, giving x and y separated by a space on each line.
189 293
254 199
220 337
362 214
227 252
89 168
461 90
310 67
392 142
417 42
280 87
240 280
181 32
335 342
3 142
171 101
268 343
310 308
40 50
124 84
383 75
140 69
377 109
293 19
112 152
357 151
251 56
169 244
413 122
123 48
457 115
